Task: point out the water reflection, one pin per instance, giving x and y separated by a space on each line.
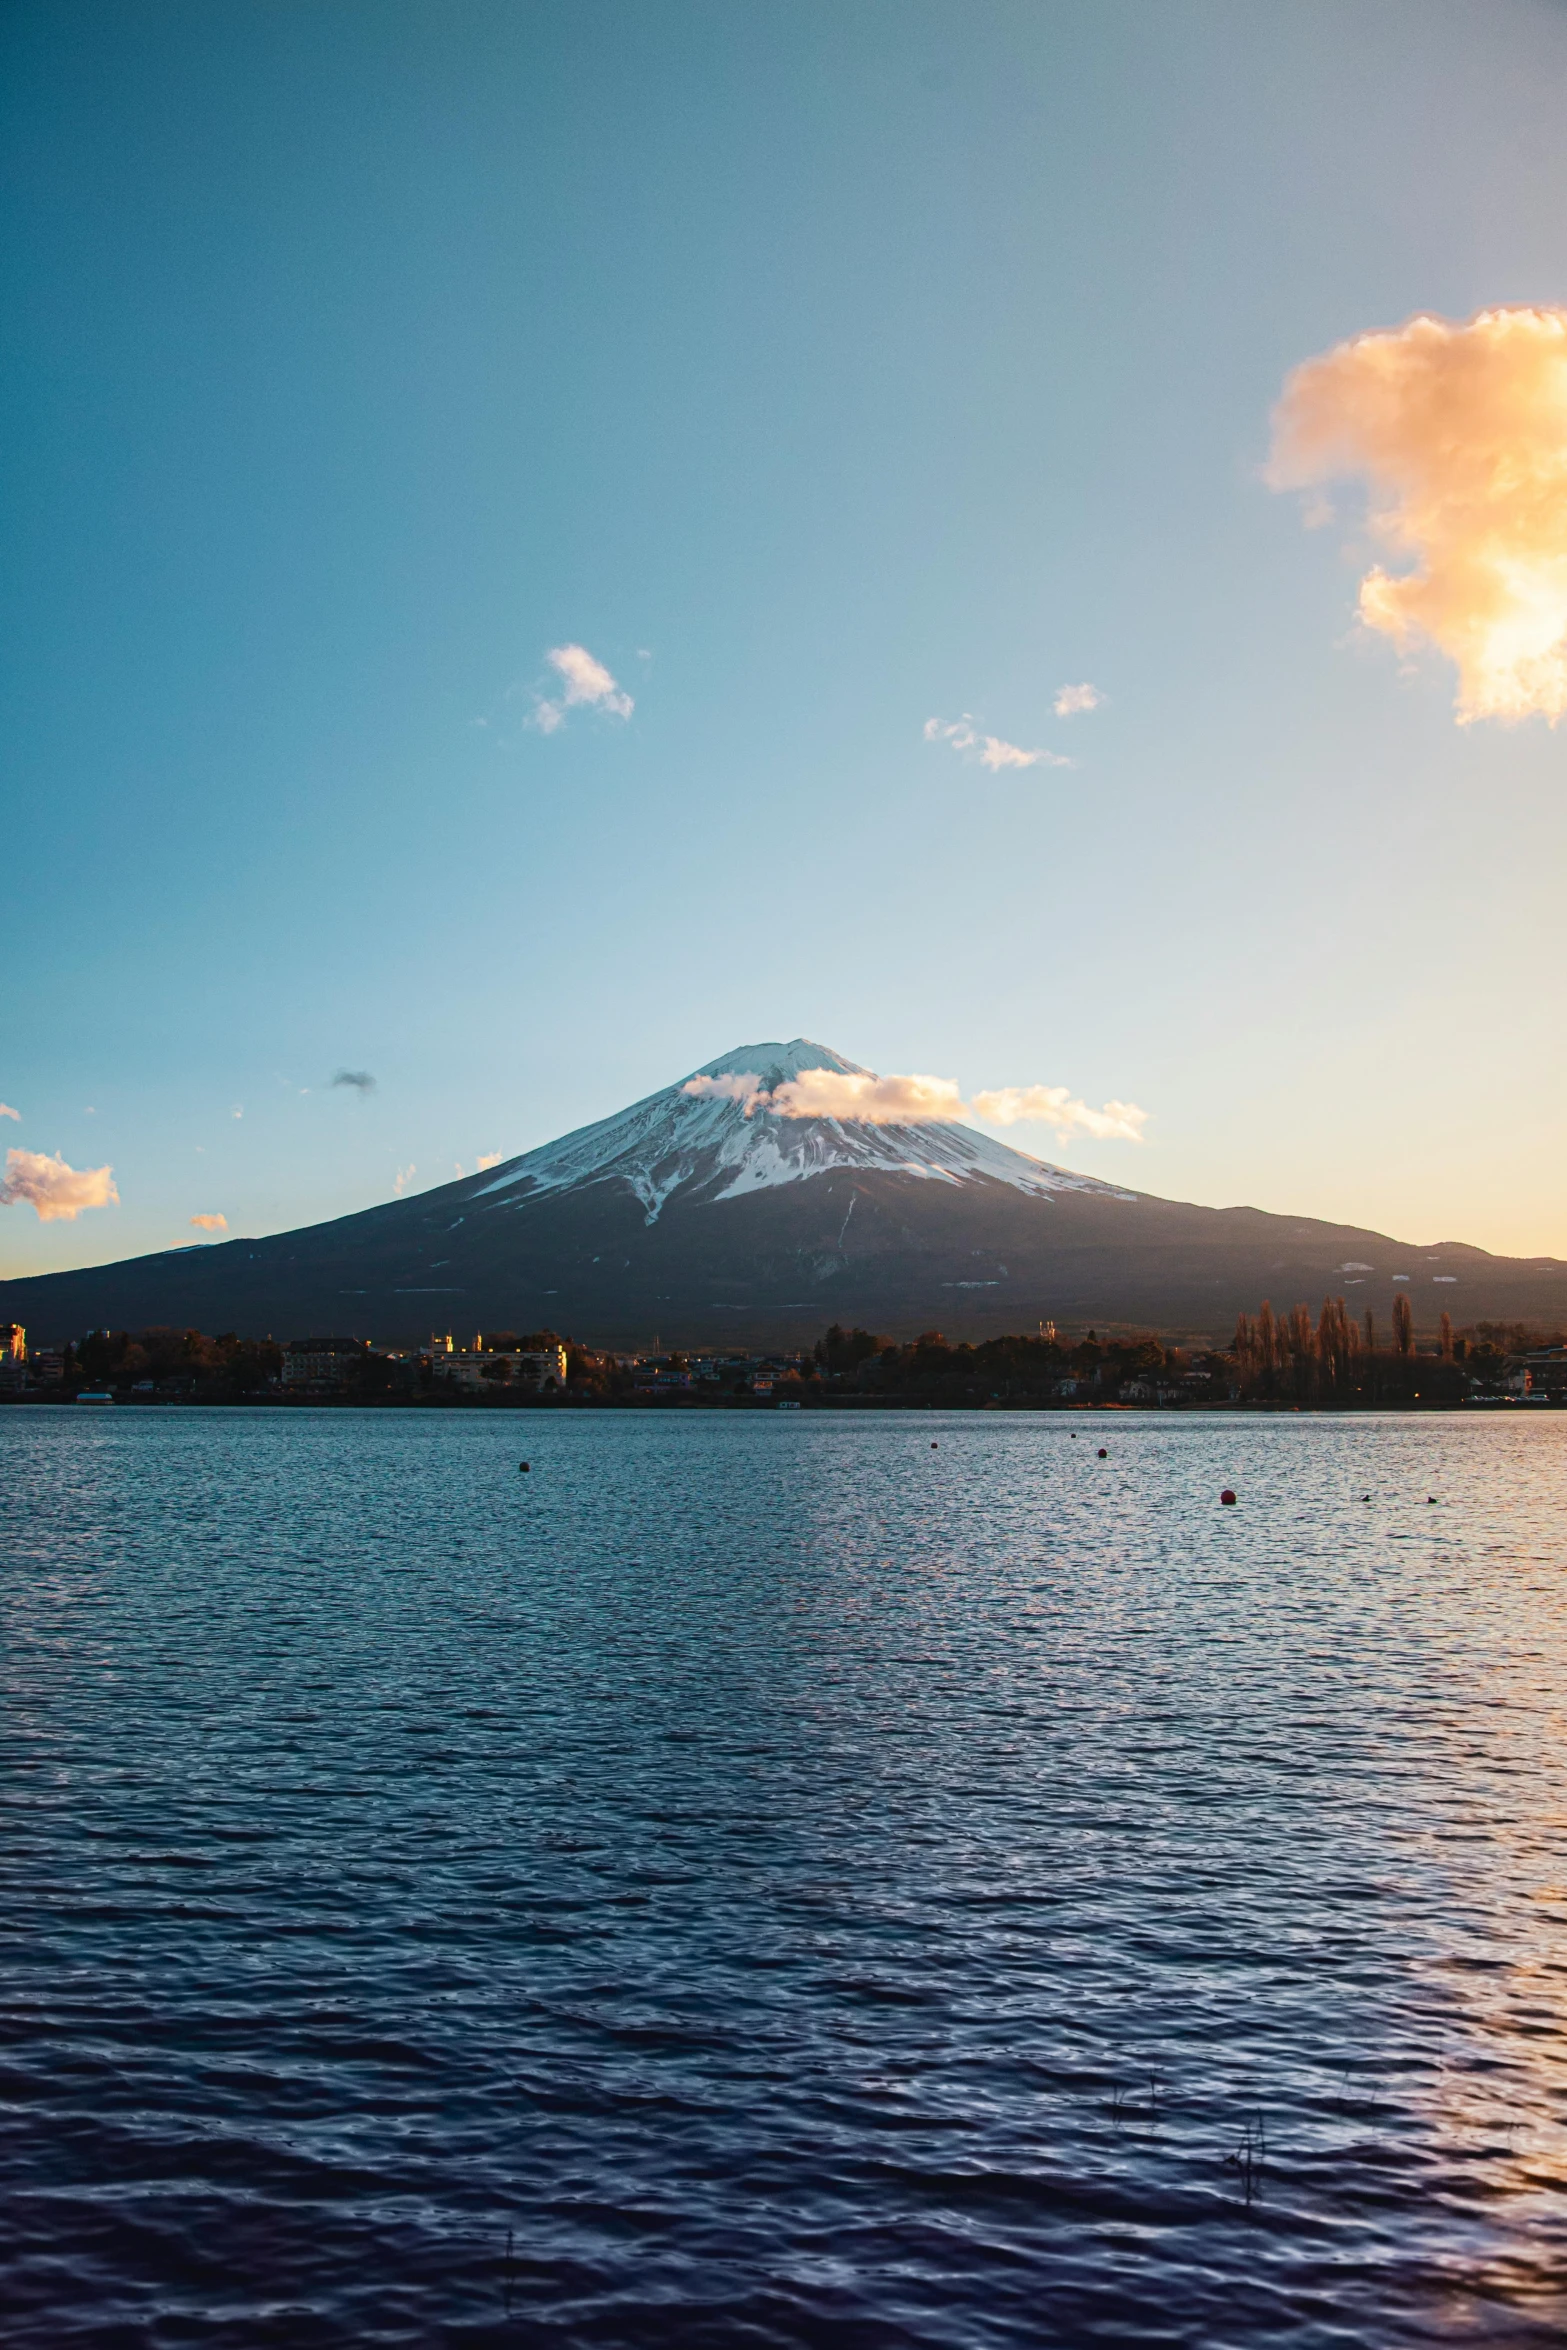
790 1884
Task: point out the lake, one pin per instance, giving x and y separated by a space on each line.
794 1878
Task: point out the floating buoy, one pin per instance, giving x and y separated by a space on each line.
523 1468
933 1446
1104 1452
1228 1497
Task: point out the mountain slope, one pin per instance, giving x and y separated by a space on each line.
687 1218
713 1148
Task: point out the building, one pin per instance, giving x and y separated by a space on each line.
1540 1375
322 1366
487 1370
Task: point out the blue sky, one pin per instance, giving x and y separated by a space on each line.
820 371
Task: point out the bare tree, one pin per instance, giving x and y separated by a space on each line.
1245 1347
1403 1325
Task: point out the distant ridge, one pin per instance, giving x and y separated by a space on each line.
686 1217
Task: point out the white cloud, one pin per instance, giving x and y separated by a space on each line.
489 1159
58 1192
6 1111
1460 433
743 1086
403 1178
836 1093
1053 1105
1072 700
871 1101
210 1223
238 1111
918 1101
587 685
990 749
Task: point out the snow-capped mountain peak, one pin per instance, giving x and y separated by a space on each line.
720 1145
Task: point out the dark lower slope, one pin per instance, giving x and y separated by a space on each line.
891 1252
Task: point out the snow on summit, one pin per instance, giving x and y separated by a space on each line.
721 1142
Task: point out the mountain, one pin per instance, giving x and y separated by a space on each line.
707 1219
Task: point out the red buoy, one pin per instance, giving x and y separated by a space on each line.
1227 1497
1103 1453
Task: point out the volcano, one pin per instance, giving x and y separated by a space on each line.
706 1219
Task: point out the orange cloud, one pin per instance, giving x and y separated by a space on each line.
57 1192
1460 432
210 1223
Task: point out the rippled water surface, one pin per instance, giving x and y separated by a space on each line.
764 1880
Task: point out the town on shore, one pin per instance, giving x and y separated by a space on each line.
1273 1362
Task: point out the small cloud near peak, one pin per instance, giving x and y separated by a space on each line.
585 684
1459 432
56 1192
487 1160
857 1097
991 750
1054 1106
6 1111
853 1095
733 1085
359 1081
403 1178
210 1223
1073 700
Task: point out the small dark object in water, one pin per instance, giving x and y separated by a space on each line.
1104 1452
1430 1497
1228 1497
523 1467
933 1444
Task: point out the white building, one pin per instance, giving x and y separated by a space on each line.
478 1370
